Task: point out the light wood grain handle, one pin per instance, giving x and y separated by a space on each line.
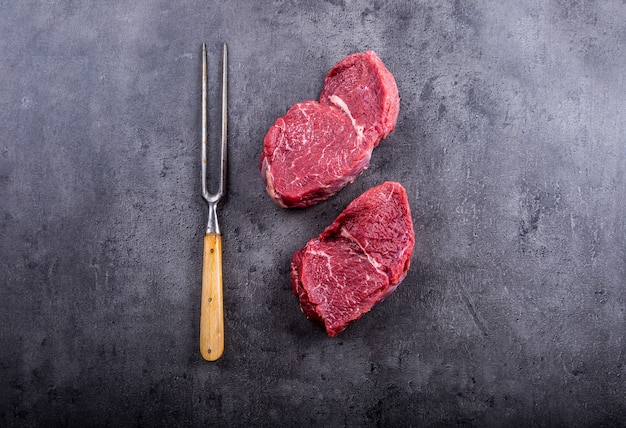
212 306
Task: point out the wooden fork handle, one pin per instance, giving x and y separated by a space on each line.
212 306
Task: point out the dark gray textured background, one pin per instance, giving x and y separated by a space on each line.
511 145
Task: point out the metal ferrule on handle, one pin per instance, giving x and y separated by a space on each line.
212 224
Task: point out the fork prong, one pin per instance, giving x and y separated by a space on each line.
205 193
223 151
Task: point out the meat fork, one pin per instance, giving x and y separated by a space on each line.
212 306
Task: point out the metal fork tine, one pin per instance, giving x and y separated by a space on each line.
205 193
223 153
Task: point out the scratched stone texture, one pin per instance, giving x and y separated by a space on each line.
511 145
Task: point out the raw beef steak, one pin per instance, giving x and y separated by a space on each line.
361 85
357 261
317 148
311 153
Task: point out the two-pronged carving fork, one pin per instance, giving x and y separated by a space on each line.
212 306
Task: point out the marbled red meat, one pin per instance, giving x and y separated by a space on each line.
358 260
311 153
361 85
318 147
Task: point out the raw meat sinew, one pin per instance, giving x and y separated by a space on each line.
357 261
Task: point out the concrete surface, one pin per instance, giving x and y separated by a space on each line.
510 143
